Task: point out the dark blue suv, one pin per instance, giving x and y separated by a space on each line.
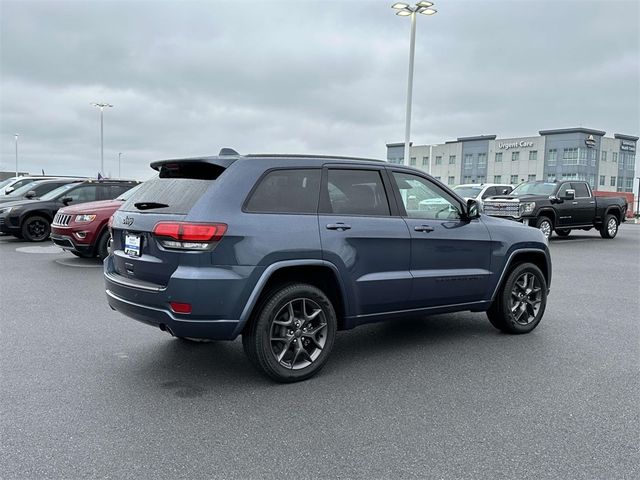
287 249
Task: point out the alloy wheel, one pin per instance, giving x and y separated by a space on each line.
545 227
526 298
298 334
612 227
37 229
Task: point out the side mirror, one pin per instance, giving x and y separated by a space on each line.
473 209
569 194
67 200
8 190
30 194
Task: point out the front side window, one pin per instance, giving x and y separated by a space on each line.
581 190
287 191
86 193
357 192
423 199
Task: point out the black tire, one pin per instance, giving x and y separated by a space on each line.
501 314
36 229
563 232
609 228
545 225
311 309
102 247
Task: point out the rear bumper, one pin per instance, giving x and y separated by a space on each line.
167 321
217 296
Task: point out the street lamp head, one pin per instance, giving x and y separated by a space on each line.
400 6
404 13
424 4
102 105
428 11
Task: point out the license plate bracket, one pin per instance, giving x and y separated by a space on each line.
133 244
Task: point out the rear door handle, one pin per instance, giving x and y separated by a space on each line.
575 203
423 228
338 226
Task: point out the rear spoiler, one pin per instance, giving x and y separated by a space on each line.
223 162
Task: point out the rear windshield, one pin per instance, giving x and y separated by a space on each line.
175 190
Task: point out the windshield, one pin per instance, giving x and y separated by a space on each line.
468 192
534 188
53 194
6 182
21 191
127 195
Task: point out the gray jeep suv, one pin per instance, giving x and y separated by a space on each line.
287 249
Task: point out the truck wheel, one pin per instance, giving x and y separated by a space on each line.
609 228
102 248
36 229
545 226
563 232
520 302
292 333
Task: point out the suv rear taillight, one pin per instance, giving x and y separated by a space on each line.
189 236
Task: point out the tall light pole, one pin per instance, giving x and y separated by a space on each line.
15 137
404 10
119 163
102 107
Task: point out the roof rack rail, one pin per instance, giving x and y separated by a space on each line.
303 155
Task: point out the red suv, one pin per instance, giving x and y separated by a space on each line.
83 229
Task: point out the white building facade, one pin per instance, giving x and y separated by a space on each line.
607 163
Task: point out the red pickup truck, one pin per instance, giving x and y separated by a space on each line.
83 229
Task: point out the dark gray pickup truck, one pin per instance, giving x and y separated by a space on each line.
561 207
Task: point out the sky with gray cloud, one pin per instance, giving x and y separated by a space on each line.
187 78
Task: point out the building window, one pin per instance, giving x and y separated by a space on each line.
603 156
468 160
592 181
582 155
570 156
531 177
438 160
514 179
628 185
467 179
553 156
482 159
425 161
482 179
614 157
551 177
613 182
412 161
451 180
533 155
438 178
619 186
498 156
515 156
602 180
452 159
497 179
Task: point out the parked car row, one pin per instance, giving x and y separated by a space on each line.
30 218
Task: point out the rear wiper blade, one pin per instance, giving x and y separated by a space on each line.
149 205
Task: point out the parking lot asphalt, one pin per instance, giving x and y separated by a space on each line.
88 393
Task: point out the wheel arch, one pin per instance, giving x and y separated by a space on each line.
529 255
548 212
615 211
319 273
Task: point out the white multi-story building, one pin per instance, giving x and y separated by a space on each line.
608 164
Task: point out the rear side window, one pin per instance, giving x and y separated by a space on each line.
286 191
357 192
175 190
